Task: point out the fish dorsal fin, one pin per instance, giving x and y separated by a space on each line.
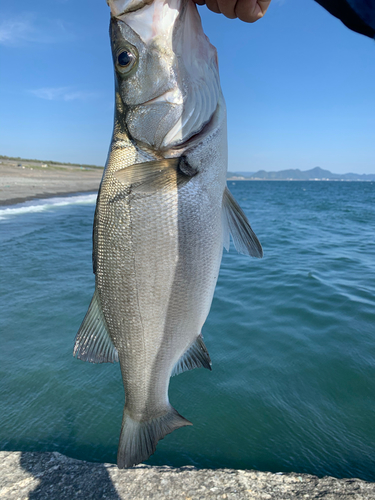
92 342
236 223
154 175
195 357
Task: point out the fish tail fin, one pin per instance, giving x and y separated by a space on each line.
138 440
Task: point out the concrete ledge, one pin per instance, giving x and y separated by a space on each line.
52 476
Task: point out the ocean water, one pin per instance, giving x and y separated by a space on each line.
291 337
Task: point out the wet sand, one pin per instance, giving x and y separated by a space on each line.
25 180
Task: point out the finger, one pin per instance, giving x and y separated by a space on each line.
250 11
227 7
212 5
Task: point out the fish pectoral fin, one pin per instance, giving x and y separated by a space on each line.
92 342
138 440
195 357
152 176
235 223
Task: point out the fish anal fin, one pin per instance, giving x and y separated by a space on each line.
92 342
196 356
152 176
236 223
138 440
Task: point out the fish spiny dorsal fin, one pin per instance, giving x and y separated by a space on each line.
235 222
195 357
138 440
92 342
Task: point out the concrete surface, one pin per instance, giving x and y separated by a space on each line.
52 476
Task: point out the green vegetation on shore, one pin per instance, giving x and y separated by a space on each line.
49 162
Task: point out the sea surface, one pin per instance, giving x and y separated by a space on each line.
291 337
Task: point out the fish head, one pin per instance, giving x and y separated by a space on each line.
167 77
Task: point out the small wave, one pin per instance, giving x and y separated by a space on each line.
45 204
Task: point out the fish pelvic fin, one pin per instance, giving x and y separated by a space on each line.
235 223
196 356
92 342
138 440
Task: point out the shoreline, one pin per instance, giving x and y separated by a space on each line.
30 180
51 475
20 183
16 201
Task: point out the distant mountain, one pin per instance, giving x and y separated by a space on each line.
313 174
243 174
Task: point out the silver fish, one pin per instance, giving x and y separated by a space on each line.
163 214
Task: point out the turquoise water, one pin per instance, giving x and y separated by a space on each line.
291 337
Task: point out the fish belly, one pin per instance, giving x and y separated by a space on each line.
158 258
158 261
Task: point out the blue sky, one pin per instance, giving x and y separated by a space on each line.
299 86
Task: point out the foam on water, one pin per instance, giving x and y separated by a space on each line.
46 204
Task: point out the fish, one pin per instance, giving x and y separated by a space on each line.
163 215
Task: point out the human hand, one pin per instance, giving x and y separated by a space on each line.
248 11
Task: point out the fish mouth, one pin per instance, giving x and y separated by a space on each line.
171 120
207 130
177 115
121 7
172 96
183 87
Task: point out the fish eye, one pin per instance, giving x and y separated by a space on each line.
125 60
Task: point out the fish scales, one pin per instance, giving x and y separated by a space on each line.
163 214
152 277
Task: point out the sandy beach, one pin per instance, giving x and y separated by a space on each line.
26 180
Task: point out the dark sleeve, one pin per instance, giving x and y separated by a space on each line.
358 15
